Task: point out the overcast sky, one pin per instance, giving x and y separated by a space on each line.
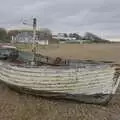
99 16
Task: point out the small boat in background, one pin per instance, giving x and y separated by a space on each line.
8 52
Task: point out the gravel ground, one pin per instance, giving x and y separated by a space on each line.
15 106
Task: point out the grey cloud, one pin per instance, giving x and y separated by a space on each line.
99 16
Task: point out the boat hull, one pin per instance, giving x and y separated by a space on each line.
88 85
99 99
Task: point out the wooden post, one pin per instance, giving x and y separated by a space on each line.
34 38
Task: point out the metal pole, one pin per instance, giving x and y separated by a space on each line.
34 37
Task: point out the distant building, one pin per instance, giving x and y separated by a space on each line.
63 36
27 37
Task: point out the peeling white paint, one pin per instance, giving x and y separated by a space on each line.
73 80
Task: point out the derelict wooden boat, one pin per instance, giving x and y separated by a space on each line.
79 81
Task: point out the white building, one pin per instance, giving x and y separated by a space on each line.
61 36
27 37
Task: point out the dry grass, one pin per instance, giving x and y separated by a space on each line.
109 52
14 106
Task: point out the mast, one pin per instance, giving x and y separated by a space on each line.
34 38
